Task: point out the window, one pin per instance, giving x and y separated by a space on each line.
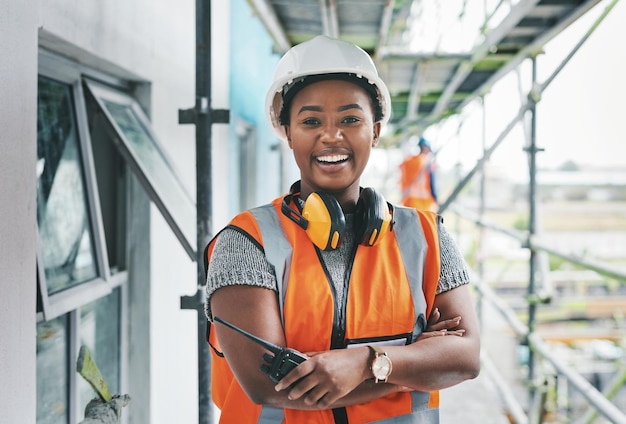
140 148
67 251
81 298
61 394
95 147
52 371
99 329
72 262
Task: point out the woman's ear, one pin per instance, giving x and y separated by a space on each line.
376 134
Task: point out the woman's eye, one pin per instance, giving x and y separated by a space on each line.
351 120
311 121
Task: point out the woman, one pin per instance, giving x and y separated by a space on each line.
334 271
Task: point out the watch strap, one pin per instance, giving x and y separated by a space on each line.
377 350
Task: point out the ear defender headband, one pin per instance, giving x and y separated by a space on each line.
325 224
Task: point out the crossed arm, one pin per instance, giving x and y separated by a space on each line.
342 377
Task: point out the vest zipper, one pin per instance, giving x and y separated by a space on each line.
338 336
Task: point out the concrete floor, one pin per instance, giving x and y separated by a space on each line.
472 402
478 401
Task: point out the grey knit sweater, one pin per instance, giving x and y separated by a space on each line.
237 260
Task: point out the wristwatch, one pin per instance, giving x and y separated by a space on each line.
381 365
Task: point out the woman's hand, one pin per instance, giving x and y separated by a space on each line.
441 328
326 376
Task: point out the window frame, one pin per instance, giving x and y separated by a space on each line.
67 300
101 92
70 301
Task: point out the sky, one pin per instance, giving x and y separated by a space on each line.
580 118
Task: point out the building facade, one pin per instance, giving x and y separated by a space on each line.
98 177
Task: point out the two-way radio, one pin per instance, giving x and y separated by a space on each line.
280 363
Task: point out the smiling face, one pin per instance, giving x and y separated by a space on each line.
332 132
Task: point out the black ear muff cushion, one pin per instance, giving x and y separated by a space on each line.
372 217
326 222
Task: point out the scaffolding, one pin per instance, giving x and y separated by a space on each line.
420 113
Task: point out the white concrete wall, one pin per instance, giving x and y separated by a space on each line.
174 331
18 241
148 40
221 51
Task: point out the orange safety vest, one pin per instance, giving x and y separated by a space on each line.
415 182
390 292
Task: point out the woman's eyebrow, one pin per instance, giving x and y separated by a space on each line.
350 106
339 109
311 108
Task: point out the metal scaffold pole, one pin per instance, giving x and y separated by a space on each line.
532 215
203 195
534 96
203 117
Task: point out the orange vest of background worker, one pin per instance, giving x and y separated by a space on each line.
417 179
300 302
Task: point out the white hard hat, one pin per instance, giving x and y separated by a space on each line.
322 55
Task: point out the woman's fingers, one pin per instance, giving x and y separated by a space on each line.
440 333
445 324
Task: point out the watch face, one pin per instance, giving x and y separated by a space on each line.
381 367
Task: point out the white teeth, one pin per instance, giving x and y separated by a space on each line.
332 158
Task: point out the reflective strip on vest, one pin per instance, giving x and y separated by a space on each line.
277 248
271 415
420 413
406 227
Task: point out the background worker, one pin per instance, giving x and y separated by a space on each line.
417 179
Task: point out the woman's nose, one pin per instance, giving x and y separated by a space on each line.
331 133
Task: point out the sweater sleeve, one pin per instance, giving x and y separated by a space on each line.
454 271
237 260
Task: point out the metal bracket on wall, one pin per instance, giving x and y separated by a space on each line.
218 116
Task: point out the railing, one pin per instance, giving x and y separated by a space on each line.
599 401
537 348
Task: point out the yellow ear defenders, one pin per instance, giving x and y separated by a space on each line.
373 217
324 222
322 219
